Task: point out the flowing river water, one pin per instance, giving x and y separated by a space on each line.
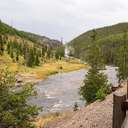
59 92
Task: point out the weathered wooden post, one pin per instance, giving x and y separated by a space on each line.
119 113
127 88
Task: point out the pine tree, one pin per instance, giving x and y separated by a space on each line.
59 53
43 51
17 55
14 110
31 58
94 55
37 61
1 45
95 84
12 54
25 52
8 48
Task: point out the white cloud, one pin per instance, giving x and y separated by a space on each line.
62 18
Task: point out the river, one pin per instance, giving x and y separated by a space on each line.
59 92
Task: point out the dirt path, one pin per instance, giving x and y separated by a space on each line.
95 115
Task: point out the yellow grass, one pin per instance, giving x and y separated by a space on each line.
54 67
41 121
44 70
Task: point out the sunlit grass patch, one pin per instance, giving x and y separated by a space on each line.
41 121
44 70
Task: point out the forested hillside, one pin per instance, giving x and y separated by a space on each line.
27 48
109 39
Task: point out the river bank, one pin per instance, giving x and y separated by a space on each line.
60 93
41 72
95 115
51 67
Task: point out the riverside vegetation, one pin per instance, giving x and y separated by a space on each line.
95 85
14 110
99 47
27 52
33 55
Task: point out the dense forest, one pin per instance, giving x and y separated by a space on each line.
96 83
98 48
110 40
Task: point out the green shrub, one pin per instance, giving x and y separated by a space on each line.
14 110
101 94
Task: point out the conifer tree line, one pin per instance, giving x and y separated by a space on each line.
116 54
96 84
122 60
33 55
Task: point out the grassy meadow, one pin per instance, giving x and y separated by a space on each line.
45 69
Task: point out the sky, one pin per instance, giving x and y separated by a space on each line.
62 18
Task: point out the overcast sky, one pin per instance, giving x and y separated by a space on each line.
62 18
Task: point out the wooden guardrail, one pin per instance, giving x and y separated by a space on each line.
120 106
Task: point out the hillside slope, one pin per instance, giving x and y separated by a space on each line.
8 30
31 48
110 35
32 56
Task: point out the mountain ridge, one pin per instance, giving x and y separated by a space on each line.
6 29
112 33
